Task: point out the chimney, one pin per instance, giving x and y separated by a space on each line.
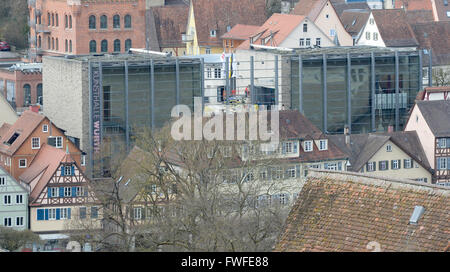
35 108
390 128
347 135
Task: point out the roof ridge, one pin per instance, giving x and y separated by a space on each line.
343 176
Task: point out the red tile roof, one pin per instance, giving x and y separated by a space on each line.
309 8
442 10
350 212
394 28
170 23
241 32
278 25
414 4
24 126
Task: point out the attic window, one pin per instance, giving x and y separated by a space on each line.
417 213
13 138
213 33
228 28
445 2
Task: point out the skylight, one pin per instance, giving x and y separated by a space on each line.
13 138
417 213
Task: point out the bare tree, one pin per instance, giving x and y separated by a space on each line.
441 77
12 240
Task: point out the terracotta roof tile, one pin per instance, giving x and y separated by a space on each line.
394 28
170 22
352 212
241 32
309 8
354 20
442 10
430 35
414 4
436 113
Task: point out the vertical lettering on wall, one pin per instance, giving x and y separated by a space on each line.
96 110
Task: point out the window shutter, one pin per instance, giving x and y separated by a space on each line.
68 213
325 165
448 162
51 141
438 162
297 170
40 214
62 171
367 166
143 212
49 192
58 214
379 165
340 166
74 191
132 213
392 164
73 170
61 191
399 162
404 163
283 147
374 166
295 147
46 214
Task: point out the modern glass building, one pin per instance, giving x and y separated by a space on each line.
368 89
128 94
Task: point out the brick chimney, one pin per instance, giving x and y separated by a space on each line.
35 108
390 128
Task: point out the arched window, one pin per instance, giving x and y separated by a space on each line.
40 99
70 21
26 95
117 46
67 46
103 22
92 22
92 46
127 45
57 44
49 43
39 42
70 46
66 21
53 19
104 46
116 21
53 43
57 19
49 19
127 21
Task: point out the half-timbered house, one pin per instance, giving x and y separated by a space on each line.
61 197
431 120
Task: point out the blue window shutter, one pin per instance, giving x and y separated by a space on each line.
61 191
46 214
283 148
62 171
40 214
74 191
297 170
325 165
339 166
295 147
49 192
438 166
73 170
448 159
68 213
58 214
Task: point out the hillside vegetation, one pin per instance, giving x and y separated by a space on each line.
14 22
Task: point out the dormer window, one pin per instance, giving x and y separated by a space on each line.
67 171
389 148
13 138
308 146
305 27
323 145
45 128
213 33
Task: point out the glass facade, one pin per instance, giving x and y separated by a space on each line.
357 89
126 90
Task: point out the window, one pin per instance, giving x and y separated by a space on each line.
327 16
308 146
137 213
332 32
407 163
45 128
208 50
82 212
442 163
70 23
277 173
2 181
287 147
53 19
22 163
57 19
51 214
371 21
217 73
375 36
302 42
83 160
92 22
13 138
66 21
26 95
389 148
79 191
7 222
323 145
127 45
103 22
371 166
19 199
67 190
127 21
208 73
92 46
383 165
67 170
116 45
35 143
290 172
64 213
66 48
318 41
7 200
19 221
425 180
442 142
53 192
308 42
104 46
53 43
70 46
213 33
55 141
39 94
367 35
228 28
94 212
49 19
330 166
116 21
305 27
395 164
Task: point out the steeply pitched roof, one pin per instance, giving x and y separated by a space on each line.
43 166
394 28
437 115
354 20
442 10
414 4
24 126
351 212
170 22
430 35
279 26
218 14
364 146
241 32
341 5
419 16
309 8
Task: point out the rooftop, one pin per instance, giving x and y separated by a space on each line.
338 211
436 114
